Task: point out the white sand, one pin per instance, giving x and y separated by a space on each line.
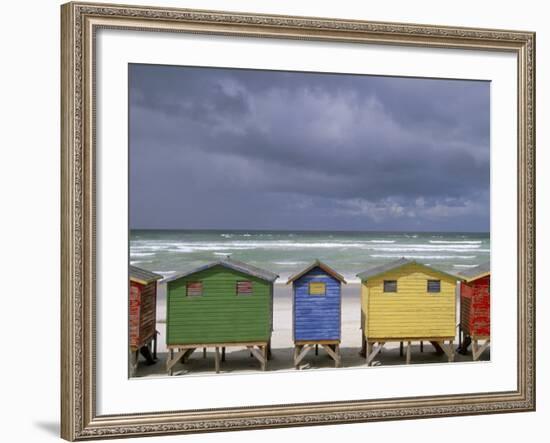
239 360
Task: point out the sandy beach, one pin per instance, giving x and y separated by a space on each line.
239 360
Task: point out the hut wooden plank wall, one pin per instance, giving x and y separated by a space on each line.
406 301
142 315
317 306
225 303
475 309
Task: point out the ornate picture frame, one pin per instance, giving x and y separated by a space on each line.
80 22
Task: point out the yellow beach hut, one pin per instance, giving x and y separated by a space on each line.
406 301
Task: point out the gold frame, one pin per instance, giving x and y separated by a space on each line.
79 420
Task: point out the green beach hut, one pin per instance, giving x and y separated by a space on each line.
224 303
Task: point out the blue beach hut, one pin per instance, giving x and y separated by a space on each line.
317 306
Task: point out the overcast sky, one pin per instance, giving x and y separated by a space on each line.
245 149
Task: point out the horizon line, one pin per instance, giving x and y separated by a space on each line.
310 230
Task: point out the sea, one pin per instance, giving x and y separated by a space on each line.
169 252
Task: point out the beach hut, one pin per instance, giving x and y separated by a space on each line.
317 301
142 315
406 301
475 317
221 304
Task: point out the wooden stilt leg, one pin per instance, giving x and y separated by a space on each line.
260 355
217 360
408 358
367 351
133 363
171 370
400 349
372 351
363 352
223 353
478 350
172 361
421 346
155 347
333 352
316 349
187 354
337 351
298 350
203 352
451 351
475 352
269 350
304 349
447 348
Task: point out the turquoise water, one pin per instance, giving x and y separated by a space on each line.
169 252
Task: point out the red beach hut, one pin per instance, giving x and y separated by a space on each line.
475 309
142 315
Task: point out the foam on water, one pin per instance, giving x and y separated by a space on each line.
291 263
348 253
425 257
456 242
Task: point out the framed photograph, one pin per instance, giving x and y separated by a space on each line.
277 221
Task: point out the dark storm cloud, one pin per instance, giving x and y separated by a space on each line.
218 148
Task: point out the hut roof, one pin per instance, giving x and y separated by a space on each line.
233 264
471 274
396 264
143 276
317 264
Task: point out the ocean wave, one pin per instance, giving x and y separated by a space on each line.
210 248
139 262
467 242
246 234
420 249
190 247
281 244
435 246
465 266
369 245
141 254
292 245
290 263
426 257
154 246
